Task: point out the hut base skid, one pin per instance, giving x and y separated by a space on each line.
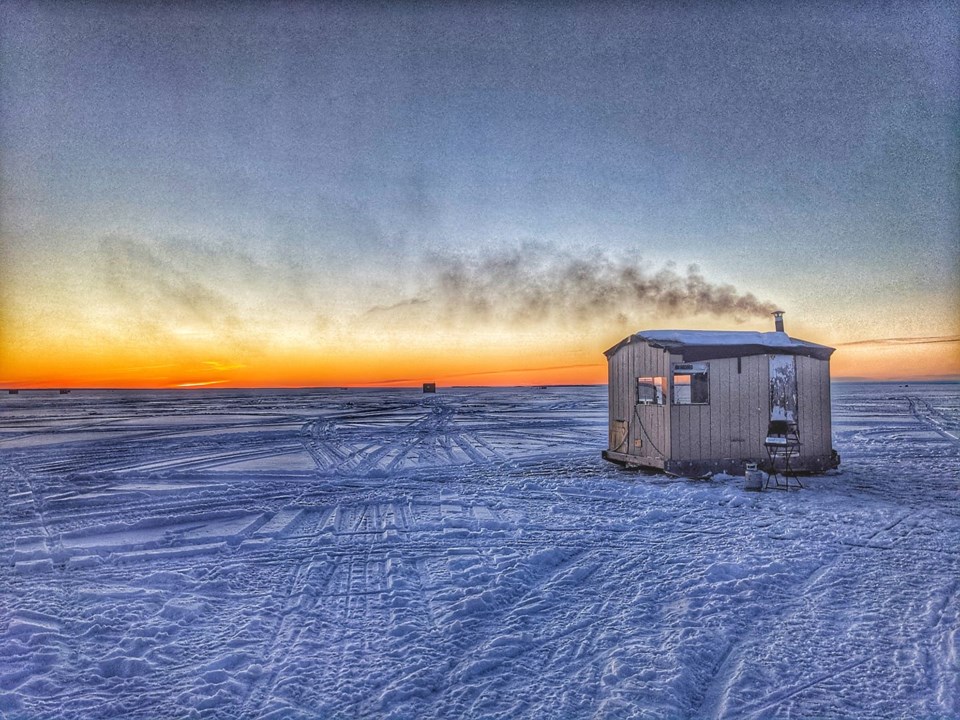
704 468
692 403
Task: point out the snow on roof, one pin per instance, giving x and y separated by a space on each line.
724 337
706 344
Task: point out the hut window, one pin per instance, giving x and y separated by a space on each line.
651 390
691 384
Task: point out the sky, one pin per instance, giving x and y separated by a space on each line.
312 194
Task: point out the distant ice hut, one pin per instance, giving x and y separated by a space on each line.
692 401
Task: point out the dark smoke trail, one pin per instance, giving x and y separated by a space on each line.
533 283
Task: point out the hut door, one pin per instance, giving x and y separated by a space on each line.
783 388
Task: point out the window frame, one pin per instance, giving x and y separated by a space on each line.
659 385
690 370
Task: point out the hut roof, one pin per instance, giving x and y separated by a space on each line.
695 345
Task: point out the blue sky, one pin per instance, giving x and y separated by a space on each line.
807 153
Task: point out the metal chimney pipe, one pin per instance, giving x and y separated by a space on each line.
778 320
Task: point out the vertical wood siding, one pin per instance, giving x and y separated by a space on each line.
755 391
813 390
826 420
647 424
679 418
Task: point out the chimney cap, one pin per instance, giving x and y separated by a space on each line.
778 320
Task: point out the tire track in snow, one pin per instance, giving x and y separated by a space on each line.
761 708
282 642
433 439
943 616
931 418
732 665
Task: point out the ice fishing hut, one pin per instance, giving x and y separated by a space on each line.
693 401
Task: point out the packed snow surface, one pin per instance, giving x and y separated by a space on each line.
388 554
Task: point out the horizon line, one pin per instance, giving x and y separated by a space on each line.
196 387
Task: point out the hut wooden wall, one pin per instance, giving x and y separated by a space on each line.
649 438
813 395
732 425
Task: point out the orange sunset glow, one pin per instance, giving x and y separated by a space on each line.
500 360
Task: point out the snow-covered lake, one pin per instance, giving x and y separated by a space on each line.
389 554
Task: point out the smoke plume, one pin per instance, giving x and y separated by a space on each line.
533 283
